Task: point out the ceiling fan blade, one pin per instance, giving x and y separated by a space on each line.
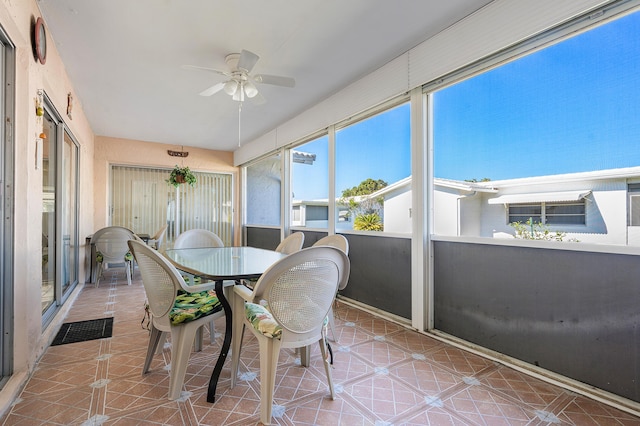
195 67
276 80
247 60
212 90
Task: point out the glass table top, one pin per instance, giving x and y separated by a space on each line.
224 263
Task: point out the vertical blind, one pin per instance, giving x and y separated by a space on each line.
143 201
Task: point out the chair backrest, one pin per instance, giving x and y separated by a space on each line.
111 242
158 238
101 231
291 244
194 238
160 232
161 280
338 241
300 288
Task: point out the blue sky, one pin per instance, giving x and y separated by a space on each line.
378 148
571 107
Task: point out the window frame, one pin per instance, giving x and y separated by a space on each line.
544 216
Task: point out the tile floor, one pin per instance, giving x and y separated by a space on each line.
384 375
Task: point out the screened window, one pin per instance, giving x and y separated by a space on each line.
558 119
263 183
310 184
523 212
549 213
373 164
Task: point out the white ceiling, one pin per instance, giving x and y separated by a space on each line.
124 58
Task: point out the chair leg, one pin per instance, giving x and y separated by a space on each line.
332 325
161 340
99 274
198 342
181 341
212 332
327 367
154 338
128 267
269 352
305 355
237 333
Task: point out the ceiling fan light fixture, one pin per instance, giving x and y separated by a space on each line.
250 89
231 87
239 95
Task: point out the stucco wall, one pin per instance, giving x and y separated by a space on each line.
397 212
29 338
110 151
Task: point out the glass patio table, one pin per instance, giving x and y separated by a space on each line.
221 264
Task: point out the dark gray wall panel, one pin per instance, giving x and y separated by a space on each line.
380 273
310 237
265 238
575 313
380 267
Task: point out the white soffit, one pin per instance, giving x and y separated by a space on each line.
540 197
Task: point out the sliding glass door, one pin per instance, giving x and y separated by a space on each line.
60 190
49 172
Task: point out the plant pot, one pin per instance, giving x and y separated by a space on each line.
180 179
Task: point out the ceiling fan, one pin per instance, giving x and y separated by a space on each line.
241 84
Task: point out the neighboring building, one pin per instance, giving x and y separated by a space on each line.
593 207
310 213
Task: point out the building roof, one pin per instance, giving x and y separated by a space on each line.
539 197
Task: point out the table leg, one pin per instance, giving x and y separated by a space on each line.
213 382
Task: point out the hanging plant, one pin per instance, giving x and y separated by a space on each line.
180 175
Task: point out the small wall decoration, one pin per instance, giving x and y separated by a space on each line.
39 108
39 41
178 153
69 105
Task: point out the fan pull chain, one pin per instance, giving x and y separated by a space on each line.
239 114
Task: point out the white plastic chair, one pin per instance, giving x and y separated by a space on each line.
162 281
111 248
291 244
194 238
298 291
340 242
158 238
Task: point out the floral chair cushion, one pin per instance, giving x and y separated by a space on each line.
189 278
191 306
262 320
100 257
